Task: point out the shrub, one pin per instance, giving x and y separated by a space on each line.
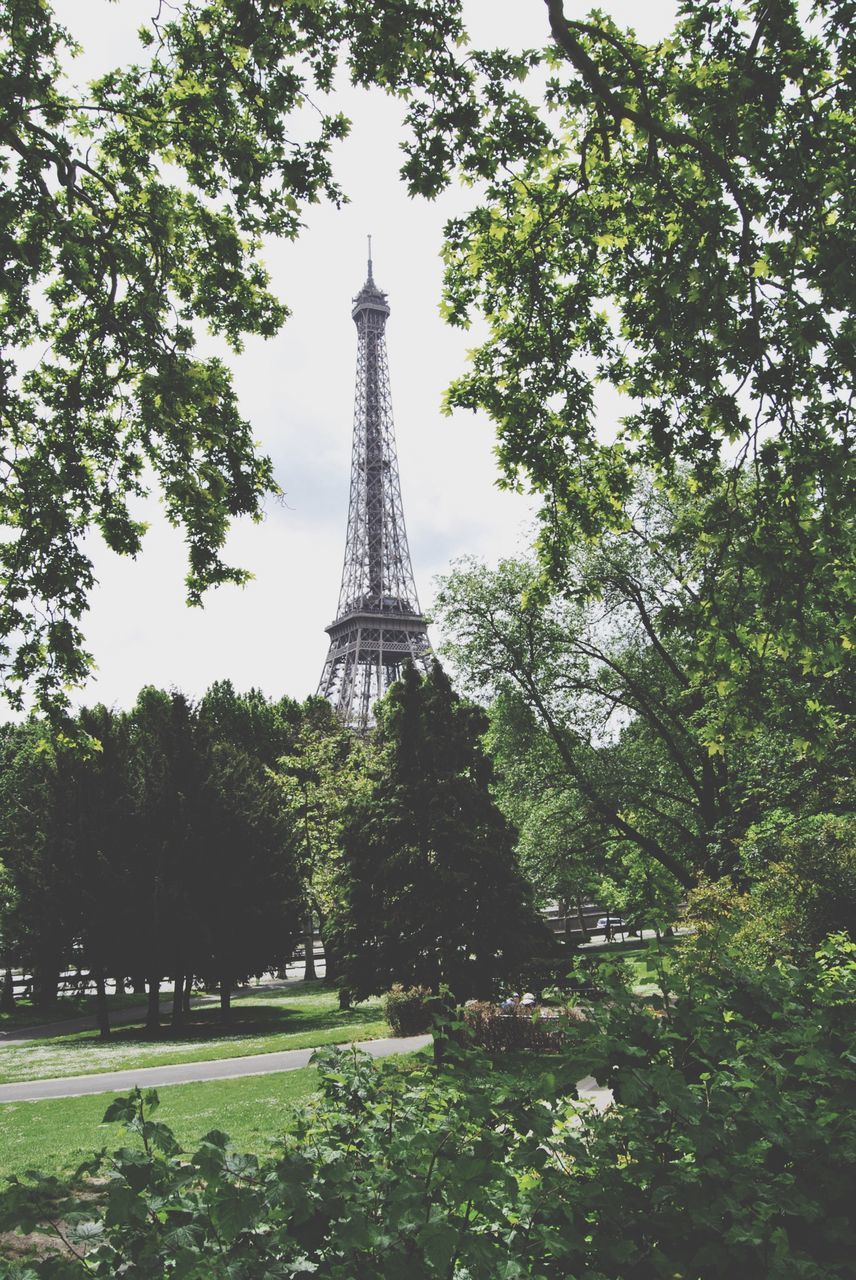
803 887
496 1030
409 1010
731 1151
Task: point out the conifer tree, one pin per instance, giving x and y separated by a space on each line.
434 895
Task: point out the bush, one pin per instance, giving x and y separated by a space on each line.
409 1010
802 888
731 1151
497 1031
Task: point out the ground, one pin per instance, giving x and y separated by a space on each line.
55 1136
297 1016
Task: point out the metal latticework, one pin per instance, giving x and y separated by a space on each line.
378 626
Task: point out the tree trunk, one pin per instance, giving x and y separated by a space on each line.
138 985
226 999
153 1011
309 973
45 984
582 920
102 1008
119 984
345 998
7 999
177 1017
330 975
185 995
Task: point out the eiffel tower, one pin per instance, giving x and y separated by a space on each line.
379 626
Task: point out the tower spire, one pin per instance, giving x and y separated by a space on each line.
378 626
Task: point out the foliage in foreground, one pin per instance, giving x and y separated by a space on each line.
731 1152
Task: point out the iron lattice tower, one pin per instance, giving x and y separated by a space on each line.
379 626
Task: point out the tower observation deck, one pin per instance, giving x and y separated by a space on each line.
378 626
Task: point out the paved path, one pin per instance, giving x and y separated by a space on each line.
257 1064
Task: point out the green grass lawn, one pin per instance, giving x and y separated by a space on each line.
645 963
56 1135
26 1014
294 1017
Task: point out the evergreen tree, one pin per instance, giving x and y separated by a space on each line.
40 916
433 893
248 894
97 829
165 782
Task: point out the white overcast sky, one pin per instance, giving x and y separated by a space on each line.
297 391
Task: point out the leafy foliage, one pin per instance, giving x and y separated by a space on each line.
730 1151
322 773
133 212
408 1010
679 236
621 763
789 904
163 848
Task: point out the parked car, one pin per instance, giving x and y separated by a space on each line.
610 924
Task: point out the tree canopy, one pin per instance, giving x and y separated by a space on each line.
608 747
132 213
681 236
669 220
162 849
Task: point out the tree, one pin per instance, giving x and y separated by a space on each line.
42 886
595 687
585 685
566 850
433 893
320 778
97 831
254 723
162 849
678 235
246 894
110 262
671 221
166 778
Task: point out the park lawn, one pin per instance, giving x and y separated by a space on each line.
55 1135
645 964
301 1016
26 1014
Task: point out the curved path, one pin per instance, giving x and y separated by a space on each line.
257 1064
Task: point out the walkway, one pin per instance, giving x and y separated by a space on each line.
257 1064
